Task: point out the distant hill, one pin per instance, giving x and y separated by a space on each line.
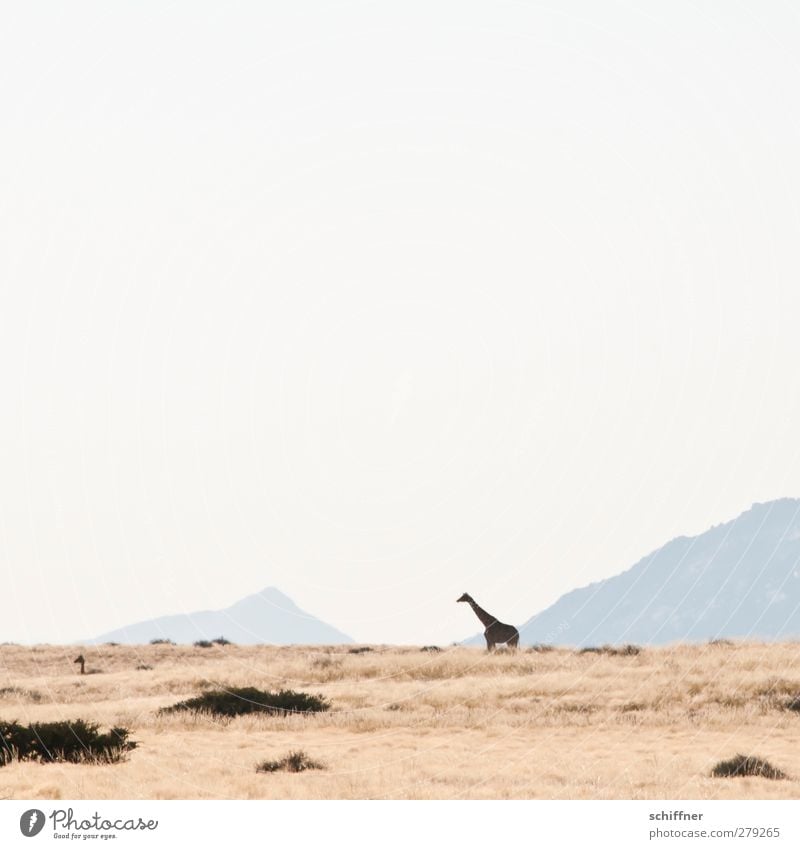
266 617
740 579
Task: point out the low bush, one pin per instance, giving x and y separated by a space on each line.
628 651
360 650
77 741
221 641
293 762
203 644
161 641
742 765
243 700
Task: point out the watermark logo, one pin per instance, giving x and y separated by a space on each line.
31 822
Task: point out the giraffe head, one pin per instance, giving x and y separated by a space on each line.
464 597
79 659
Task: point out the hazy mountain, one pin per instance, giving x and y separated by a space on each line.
266 617
739 579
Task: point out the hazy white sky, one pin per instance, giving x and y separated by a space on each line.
379 303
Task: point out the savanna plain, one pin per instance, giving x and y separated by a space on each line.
405 723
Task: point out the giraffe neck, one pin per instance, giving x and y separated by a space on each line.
485 617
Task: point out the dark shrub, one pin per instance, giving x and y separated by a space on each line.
143 667
793 703
746 765
293 762
221 641
628 650
432 649
203 644
360 650
162 641
242 700
72 742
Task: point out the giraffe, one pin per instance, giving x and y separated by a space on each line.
496 632
84 671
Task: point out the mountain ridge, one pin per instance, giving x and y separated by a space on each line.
739 578
268 616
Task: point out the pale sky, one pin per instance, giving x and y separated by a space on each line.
379 303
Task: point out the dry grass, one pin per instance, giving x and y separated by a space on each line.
409 724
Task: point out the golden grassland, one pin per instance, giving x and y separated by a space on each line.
407 724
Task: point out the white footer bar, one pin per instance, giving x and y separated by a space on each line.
389 824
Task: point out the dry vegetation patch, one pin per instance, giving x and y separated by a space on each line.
20 694
612 651
406 723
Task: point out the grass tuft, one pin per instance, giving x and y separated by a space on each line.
297 761
742 765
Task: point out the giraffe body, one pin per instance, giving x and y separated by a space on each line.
496 633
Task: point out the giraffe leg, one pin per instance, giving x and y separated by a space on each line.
489 645
513 642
